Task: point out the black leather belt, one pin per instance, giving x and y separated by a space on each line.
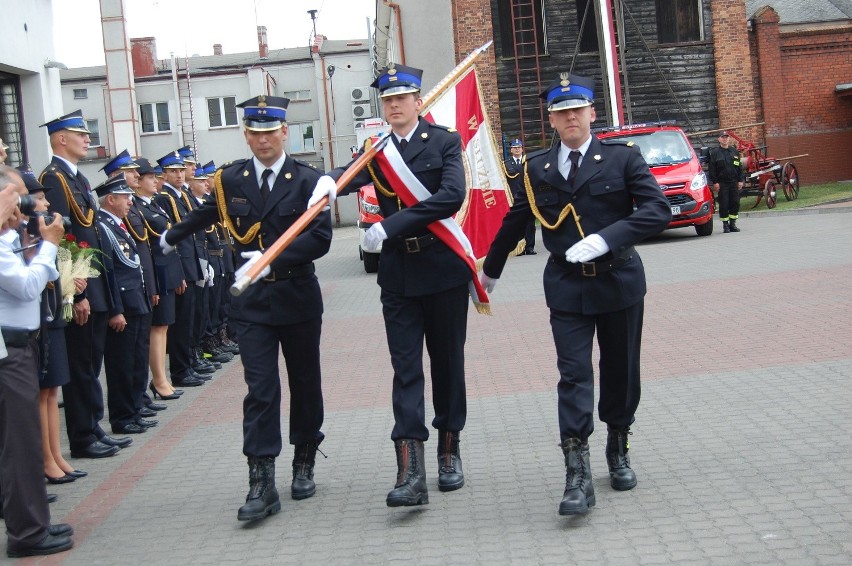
18 337
414 244
215 253
594 268
284 274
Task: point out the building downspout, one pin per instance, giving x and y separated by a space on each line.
397 11
328 128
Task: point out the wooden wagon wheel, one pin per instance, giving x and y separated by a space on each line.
770 192
790 181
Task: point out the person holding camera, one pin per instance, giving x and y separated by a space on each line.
24 498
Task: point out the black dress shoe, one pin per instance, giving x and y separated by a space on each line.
60 530
147 413
530 251
78 473
96 449
51 497
187 382
130 428
49 545
119 442
63 479
146 423
156 406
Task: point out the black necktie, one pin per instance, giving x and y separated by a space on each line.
264 186
403 143
574 157
87 191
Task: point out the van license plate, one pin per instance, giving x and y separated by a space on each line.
675 210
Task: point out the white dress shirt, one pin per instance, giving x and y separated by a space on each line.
21 284
259 168
565 151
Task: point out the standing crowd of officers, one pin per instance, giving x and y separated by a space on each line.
169 245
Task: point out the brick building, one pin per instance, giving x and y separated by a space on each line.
802 57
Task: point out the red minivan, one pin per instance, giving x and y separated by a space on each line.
676 166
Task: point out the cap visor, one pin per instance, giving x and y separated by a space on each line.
394 90
569 104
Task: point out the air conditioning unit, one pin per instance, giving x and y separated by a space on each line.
359 93
361 111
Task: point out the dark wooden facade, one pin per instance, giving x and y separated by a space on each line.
666 81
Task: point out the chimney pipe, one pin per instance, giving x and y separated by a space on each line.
217 49
262 45
143 52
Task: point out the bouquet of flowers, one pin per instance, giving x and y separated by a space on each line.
74 260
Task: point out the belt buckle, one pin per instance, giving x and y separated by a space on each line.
588 268
412 245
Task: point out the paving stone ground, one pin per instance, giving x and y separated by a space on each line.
741 444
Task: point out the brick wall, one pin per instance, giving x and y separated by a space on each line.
798 72
473 27
734 77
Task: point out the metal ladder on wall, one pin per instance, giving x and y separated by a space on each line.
526 35
184 86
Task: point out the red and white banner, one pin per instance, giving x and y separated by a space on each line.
461 107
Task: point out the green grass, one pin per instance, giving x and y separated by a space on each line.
808 196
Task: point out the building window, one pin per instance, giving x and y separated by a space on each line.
522 27
297 95
154 117
301 138
222 111
81 93
679 21
94 133
589 41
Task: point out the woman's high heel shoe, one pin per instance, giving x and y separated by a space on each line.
156 394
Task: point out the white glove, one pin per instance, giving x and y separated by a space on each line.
587 249
210 275
375 235
252 258
326 187
487 282
167 249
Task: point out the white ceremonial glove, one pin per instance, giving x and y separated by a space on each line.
587 249
252 258
487 282
326 187
375 235
210 275
167 249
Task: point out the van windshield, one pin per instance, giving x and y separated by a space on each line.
661 147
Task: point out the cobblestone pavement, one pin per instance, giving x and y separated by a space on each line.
741 444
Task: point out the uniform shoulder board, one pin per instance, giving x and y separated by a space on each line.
234 163
440 127
304 164
537 153
617 141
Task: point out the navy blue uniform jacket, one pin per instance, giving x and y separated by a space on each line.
434 155
612 178
287 301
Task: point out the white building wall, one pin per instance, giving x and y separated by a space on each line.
25 45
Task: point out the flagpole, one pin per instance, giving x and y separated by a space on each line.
308 216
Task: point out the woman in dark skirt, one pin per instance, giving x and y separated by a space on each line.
169 279
53 370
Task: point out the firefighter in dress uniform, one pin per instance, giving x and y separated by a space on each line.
258 199
583 191
514 165
424 285
726 177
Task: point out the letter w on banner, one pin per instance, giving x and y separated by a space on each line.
487 201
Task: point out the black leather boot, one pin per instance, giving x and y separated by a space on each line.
579 491
450 474
304 458
733 224
410 488
226 343
208 346
621 477
726 226
262 498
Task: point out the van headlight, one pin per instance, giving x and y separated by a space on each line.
698 182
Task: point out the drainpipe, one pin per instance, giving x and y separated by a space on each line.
316 49
397 10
